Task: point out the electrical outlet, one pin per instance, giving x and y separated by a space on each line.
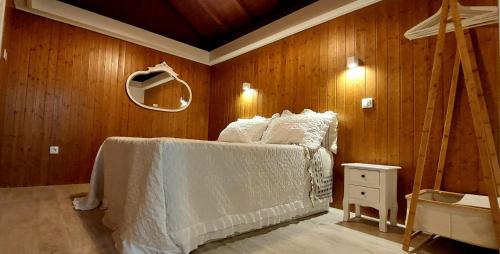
367 103
54 150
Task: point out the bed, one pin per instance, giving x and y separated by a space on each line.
166 195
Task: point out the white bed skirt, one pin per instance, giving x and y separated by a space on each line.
168 195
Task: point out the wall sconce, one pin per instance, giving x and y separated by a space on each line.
246 86
353 62
183 102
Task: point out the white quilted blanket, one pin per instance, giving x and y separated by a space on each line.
167 195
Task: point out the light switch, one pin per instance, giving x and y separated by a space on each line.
54 150
367 103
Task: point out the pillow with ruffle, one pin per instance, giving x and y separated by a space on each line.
246 130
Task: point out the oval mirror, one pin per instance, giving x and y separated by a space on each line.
159 88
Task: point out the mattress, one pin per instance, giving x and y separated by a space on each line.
166 195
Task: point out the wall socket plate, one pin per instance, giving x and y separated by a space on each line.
54 150
367 103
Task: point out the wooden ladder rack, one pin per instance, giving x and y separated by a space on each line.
466 59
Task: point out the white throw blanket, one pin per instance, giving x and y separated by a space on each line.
167 195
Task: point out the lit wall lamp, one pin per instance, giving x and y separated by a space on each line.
246 86
183 102
353 62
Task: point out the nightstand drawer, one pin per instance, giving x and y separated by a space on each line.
364 193
362 177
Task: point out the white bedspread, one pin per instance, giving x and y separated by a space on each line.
167 195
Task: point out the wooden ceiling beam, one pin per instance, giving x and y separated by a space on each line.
243 9
211 12
172 4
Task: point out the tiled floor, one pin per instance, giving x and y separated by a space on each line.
42 220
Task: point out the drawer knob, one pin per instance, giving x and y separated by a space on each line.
362 193
363 176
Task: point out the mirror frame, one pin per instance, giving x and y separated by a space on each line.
157 68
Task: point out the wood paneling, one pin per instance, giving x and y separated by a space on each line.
205 24
3 65
65 86
307 70
166 95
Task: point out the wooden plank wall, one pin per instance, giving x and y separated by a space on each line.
166 95
65 86
3 64
308 70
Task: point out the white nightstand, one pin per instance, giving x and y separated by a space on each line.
374 186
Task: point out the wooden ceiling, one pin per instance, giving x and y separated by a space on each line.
205 24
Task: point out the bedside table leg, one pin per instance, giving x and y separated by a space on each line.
382 225
346 209
394 216
358 211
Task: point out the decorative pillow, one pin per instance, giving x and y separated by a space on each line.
301 129
246 130
287 112
330 140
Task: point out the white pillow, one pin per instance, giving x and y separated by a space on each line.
301 129
246 130
287 112
330 140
